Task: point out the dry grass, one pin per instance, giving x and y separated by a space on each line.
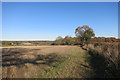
105 60
100 61
43 62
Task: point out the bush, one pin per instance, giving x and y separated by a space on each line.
105 62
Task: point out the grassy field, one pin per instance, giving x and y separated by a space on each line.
44 62
98 61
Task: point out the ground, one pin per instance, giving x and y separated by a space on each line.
45 62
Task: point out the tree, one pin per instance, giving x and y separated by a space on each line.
68 40
58 40
84 33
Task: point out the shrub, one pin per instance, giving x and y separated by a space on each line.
105 62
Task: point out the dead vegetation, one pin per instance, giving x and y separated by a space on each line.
99 61
104 59
27 62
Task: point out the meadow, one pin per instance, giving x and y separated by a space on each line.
61 61
43 62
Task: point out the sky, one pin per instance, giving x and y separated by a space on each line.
48 20
60 0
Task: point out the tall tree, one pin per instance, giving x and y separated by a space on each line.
84 33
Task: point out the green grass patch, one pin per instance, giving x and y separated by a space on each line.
68 67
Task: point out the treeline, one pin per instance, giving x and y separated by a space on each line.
104 39
68 40
34 43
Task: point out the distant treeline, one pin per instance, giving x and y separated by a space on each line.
4 43
68 40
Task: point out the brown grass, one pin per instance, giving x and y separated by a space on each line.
101 61
26 61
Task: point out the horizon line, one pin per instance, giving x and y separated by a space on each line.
43 39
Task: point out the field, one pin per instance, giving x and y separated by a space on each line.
61 61
59 40
44 62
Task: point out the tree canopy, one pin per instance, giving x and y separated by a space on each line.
84 33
